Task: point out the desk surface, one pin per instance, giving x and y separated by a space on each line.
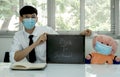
102 70
52 70
64 70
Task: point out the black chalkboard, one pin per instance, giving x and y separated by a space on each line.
65 49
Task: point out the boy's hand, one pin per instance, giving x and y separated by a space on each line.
41 39
86 32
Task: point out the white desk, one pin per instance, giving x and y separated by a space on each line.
52 70
64 70
102 70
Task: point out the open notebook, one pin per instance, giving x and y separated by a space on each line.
27 66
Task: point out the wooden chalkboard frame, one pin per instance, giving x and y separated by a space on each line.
66 53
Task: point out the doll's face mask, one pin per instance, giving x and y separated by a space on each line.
102 48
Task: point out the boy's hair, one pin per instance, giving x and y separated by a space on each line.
27 10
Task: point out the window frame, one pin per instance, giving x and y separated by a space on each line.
10 34
114 8
115 18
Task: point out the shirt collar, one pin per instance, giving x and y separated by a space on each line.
34 32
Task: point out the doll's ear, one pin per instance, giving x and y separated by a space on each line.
115 46
116 42
94 40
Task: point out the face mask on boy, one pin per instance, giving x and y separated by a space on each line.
29 23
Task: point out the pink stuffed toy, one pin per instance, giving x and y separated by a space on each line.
105 48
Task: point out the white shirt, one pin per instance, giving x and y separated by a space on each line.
21 41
